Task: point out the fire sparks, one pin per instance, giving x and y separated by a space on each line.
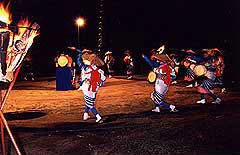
5 15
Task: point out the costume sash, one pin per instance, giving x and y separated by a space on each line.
95 78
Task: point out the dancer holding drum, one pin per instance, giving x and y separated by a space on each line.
164 74
219 63
153 62
190 75
208 70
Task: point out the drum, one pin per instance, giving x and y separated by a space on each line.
200 70
152 77
62 61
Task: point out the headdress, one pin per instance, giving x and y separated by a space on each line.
91 57
108 52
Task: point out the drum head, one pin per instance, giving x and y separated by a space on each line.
152 77
62 61
200 70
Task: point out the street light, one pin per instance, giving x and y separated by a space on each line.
80 22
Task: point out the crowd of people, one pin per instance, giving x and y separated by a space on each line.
202 69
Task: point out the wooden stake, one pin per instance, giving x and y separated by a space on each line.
3 120
9 133
10 87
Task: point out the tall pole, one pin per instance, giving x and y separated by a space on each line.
80 22
100 24
78 37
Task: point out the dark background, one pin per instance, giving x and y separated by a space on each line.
133 24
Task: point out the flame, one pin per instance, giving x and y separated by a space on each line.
5 15
21 30
161 49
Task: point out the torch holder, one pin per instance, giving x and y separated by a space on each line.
3 99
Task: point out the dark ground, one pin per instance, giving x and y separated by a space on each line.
54 125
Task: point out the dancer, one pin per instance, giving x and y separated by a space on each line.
190 76
28 68
128 60
92 78
219 63
164 76
109 61
207 85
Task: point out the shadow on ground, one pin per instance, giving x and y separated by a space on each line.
23 115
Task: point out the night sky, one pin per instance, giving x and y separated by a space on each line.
131 24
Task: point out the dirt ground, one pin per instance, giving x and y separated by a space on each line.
49 122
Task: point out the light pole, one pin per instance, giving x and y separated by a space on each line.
80 22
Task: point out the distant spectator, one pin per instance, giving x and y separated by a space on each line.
109 61
128 60
28 68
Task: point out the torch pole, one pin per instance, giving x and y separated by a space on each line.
3 139
10 87
2 131
4 121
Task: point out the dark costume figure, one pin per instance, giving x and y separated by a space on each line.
28 68
128 60
190 75
218 61
109 61
207 85
63 73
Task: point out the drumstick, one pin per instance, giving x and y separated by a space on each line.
170 59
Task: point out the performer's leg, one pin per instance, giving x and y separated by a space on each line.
88 105
94 111
217 100
86 109
85 114
165 104
130 72
90 98
97 115
220 81
213 96
170 106
156 108
202 96
192 83
158 101
202 99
